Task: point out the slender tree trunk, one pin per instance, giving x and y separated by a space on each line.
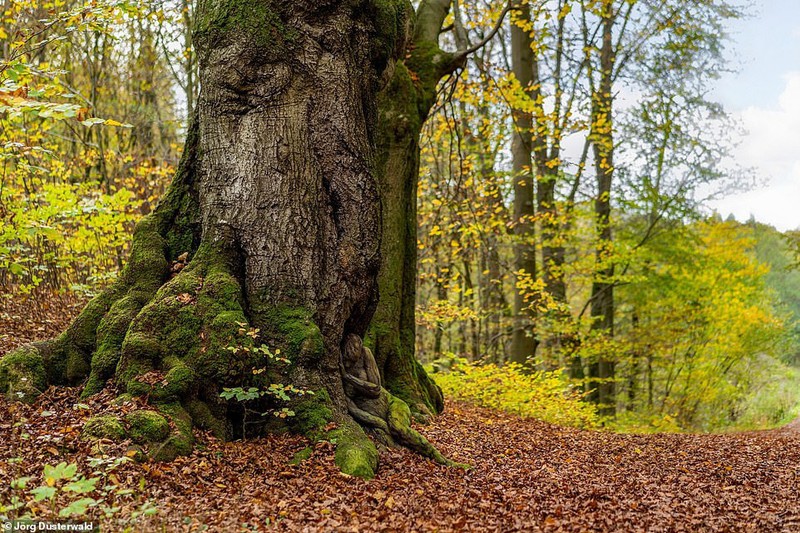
441 295
550 127
602 303
523 340
492 302
189 63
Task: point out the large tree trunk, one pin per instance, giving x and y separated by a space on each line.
272 222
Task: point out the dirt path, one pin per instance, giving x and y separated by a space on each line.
792 428
527 476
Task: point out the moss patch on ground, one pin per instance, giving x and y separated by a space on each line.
22 374
104 427
147 426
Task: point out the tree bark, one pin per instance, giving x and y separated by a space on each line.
523 341
404 106
272 222
601 372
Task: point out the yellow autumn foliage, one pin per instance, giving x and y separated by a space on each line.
543 395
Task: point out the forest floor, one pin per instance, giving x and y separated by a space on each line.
527 475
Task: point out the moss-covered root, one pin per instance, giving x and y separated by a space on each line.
356 455
180 439
399 420
22 374
427 398
147 426
163 435
407 379
104 427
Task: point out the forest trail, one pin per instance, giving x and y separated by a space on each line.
792 428
527 475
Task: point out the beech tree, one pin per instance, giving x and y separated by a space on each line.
404 106
271 226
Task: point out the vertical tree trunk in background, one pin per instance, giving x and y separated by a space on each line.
602 299
470 329
492 302
273 221
441 295
404 105
549 127
523 341
189 62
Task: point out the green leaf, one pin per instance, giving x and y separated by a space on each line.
43 493
20 483
82 485
78 507
89 122
60 471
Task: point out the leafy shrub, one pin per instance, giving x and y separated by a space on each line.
67 493
247 395
773 400
65 235
543 395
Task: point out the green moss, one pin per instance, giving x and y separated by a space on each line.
147 426
54 359
256 19
142 347
126 377
77 365
179 380
300 338
429 63
419 391
181 213
178 211
302 455
181 440
222 287
22 374
94 385
356 454
104 427
176 383
81 332
312 414
111 334
226 320
389 18
203 417
399 421
145 272
399 413
174 446
196 314
122 399
66 362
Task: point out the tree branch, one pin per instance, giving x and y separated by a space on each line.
461 54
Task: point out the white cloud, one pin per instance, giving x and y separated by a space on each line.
772 146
